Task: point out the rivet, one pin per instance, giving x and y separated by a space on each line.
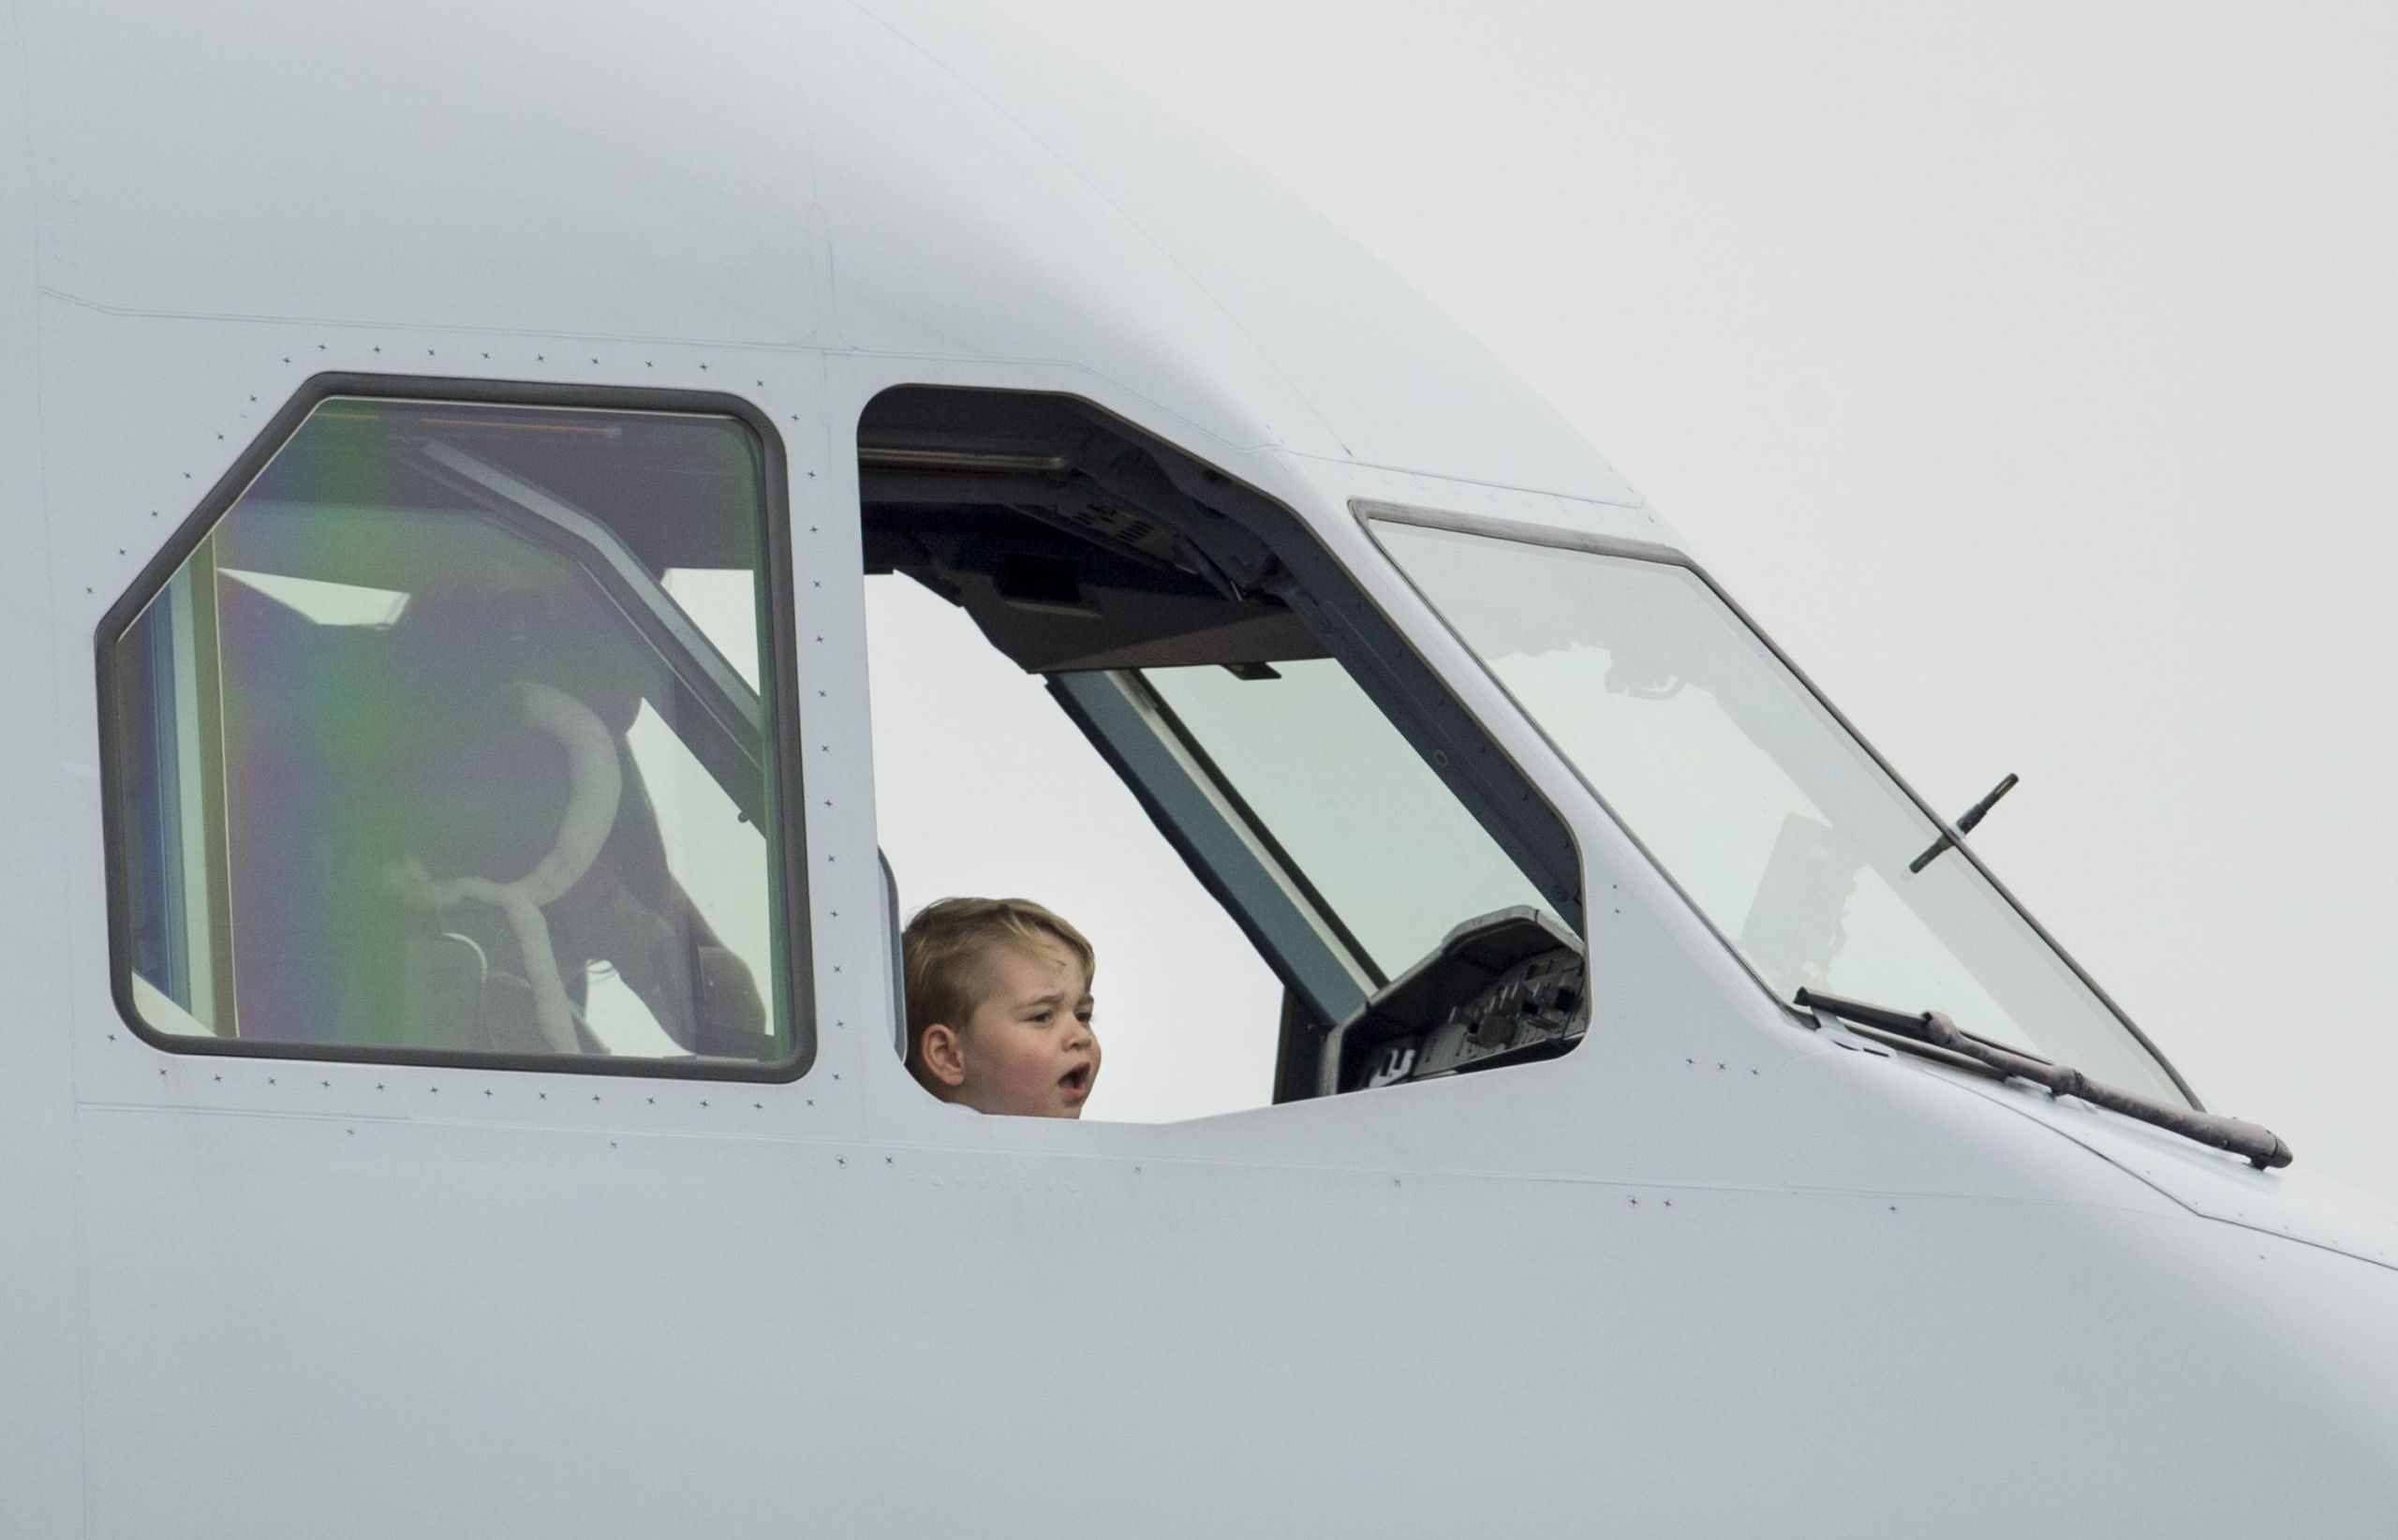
545 1096
1635 1202
840 1160
889 1160
703 1102
759 1106
595 1098
270 1080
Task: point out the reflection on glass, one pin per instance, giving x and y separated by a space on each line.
1775 822
416 750
1358 812
722 601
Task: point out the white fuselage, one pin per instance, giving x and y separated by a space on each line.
1719 1270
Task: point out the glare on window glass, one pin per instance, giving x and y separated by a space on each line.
417 749
1769 814
1359 814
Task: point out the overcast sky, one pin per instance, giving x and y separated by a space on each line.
2027 371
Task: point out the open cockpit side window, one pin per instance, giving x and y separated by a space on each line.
454 735
1304 870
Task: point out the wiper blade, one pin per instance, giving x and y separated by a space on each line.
1974 815
2259 1146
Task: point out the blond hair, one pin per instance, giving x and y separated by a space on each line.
942 949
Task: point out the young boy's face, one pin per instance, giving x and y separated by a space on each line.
1026 1049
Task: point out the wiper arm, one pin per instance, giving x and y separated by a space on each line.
1974 815
2260 1145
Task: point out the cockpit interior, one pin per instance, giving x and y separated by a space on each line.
462 729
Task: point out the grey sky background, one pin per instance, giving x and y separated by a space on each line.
2027 371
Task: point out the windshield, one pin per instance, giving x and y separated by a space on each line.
1788 836
1390 853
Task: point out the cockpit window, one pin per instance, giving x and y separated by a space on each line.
1304 870
447 740
1780 827
1328 778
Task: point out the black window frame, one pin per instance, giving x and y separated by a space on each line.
1230 521
787 873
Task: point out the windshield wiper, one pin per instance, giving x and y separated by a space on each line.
1974 815
2260 1145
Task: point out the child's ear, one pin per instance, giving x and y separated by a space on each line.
945 1054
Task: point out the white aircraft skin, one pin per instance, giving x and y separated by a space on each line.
1719 1271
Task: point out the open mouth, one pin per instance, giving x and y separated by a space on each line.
1075 1082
